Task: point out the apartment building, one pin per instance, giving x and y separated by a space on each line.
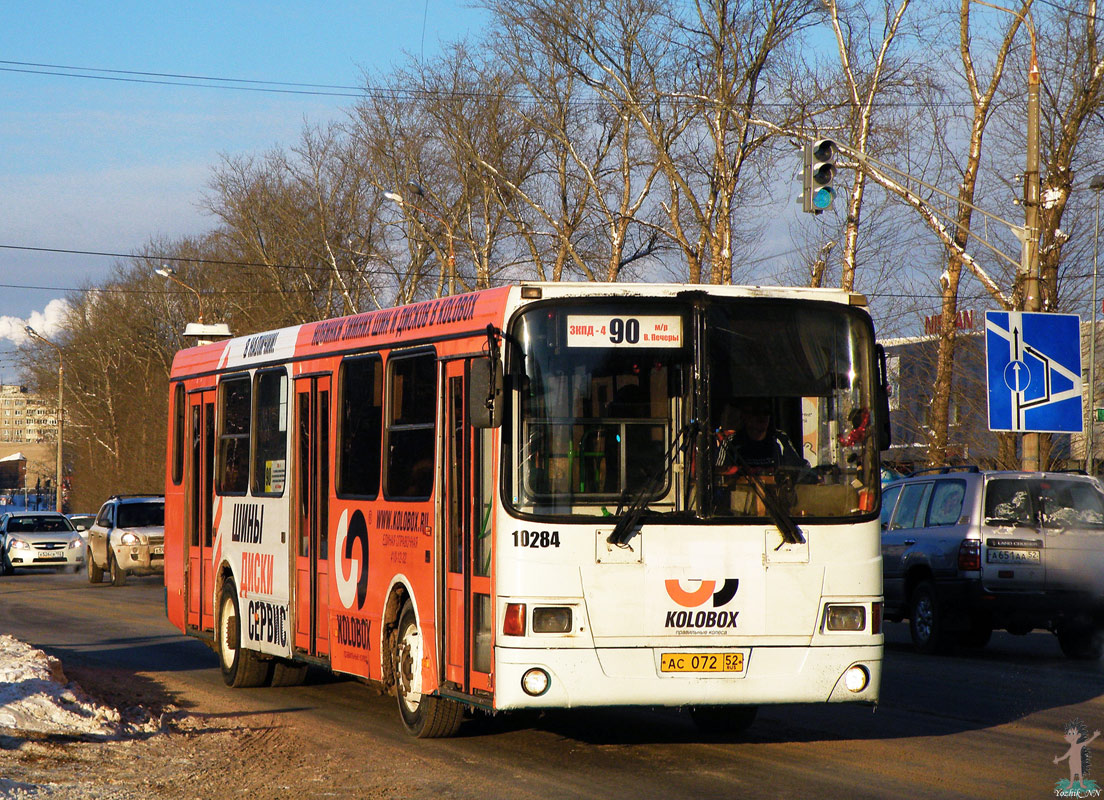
26 418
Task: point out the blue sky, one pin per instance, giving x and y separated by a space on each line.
106 165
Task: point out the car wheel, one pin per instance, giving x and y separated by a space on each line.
723 720
95 572
925 620
6 567
118 574
241 668
1082 642
423 716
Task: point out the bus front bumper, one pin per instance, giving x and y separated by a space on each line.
633 677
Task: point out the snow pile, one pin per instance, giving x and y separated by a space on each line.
36 698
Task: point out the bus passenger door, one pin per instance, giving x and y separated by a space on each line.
199 577
467 540
312 491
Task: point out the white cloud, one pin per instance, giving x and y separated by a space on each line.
46 322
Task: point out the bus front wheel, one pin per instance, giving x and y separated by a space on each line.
423 716
240 667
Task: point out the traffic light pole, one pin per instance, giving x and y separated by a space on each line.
1032 300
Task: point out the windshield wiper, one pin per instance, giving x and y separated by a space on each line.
791 534
630 515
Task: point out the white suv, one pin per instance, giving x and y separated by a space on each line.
128 536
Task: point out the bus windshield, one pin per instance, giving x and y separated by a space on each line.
776 396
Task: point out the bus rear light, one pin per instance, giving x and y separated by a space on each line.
969 555
513 622
552 620
845 618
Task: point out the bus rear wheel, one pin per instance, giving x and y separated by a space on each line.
241 668
288 673
423 716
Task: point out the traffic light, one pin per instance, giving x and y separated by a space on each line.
820 170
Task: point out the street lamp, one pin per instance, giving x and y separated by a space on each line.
168 272
1096 183
397 198
60 427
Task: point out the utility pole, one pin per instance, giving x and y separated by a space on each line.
1032 300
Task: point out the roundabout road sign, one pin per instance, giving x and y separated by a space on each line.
1033 371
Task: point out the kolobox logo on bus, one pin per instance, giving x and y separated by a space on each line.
352 573
698 596
700 621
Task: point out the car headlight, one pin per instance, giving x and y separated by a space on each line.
130 538
18 544
75 543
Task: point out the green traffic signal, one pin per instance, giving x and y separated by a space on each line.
819 171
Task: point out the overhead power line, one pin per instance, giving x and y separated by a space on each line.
339 90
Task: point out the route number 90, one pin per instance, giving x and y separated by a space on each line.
624 330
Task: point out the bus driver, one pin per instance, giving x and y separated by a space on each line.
755 444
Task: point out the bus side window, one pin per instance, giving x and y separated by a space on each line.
270 433
233 444
411 425
178 434
361 427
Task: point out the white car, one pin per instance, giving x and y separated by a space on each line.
37 539
128 537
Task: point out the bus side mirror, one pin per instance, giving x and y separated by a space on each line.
883 429
485 393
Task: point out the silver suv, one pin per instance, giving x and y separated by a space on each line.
128 536
965 552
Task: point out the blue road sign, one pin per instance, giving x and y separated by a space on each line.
1033 371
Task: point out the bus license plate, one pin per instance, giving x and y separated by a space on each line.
701 662
994 556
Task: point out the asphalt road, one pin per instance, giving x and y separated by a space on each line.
973 724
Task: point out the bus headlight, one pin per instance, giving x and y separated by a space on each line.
844 618
856 678
552 620
535 682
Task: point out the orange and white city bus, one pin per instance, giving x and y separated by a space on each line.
534 497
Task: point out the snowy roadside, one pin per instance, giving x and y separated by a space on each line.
39 705
37 699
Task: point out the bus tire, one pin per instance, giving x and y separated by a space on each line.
241 668
723 720
95 572
288 673
423 716
118 575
